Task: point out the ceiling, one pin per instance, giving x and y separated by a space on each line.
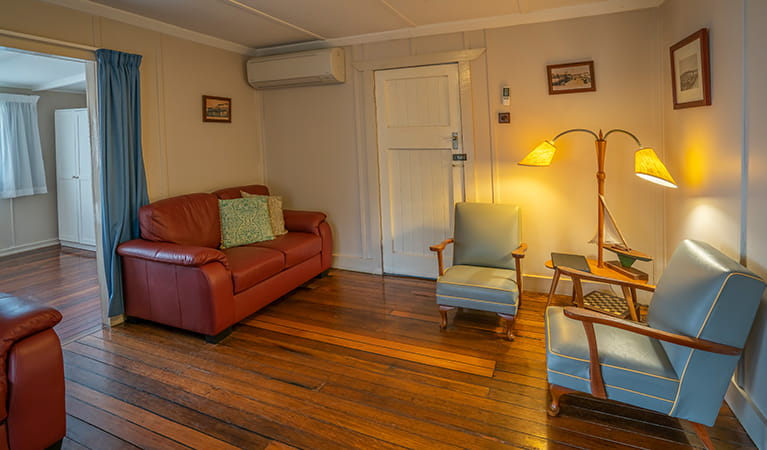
22 70
269 26
259 24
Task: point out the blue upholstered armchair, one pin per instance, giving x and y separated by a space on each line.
681 362
487 257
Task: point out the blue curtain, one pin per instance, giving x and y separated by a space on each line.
123 181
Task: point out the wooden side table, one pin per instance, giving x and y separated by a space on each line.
598 300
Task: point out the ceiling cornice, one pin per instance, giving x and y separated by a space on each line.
130 18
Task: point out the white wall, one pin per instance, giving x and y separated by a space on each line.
32 221
709 146
318 152
750 403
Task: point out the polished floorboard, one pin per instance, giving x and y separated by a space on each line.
347 361
62 277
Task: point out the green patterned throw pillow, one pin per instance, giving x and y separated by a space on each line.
244 221
274 202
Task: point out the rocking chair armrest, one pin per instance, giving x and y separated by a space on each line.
588 316
580 275
439 248
520 251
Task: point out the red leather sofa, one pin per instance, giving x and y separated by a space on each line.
32 412
177 275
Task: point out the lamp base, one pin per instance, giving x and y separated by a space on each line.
630 272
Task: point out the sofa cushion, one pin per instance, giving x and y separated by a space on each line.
274 202
244 221
234 192
250 265
191 219
297 247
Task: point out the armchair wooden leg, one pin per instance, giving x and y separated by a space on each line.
443 312
509 325
555 393
702 432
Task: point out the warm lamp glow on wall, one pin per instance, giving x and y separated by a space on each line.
646 166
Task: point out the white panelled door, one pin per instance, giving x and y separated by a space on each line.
77 226
419 130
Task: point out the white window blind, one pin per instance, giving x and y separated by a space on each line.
21 158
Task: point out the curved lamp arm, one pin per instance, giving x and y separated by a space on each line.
574 130
624 132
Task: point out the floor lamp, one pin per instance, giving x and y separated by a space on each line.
646 165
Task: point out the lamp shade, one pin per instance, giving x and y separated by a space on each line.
648 166
541 155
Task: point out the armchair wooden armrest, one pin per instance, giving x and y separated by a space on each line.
589 318
439 248
518 254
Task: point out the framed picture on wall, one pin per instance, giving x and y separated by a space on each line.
571 77
690 71
216 109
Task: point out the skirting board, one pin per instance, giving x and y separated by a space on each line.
28 247
748 414
78 245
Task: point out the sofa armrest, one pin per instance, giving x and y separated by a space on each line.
166 252
306 221
19 319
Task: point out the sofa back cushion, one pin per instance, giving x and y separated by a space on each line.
230 193
191 219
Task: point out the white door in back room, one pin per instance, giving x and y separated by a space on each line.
77 226
418 120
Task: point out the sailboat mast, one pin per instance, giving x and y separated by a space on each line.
601 145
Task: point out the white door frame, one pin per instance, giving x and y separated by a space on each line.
367 142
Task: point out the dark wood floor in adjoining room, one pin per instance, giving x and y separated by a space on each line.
62 277
349 361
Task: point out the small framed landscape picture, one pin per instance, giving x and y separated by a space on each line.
690 72
571 77
216 109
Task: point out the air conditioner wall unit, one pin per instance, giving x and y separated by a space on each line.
321 66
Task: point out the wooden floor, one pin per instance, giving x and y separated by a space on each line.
349 361
62 277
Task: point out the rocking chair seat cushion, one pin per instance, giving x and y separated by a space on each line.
482 288
635 368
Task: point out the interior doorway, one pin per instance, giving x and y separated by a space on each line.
29 225
418 116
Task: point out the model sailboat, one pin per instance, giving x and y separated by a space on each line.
616 243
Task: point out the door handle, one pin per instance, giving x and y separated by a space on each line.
454 139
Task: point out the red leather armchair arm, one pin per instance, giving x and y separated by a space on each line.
31 374
305 221
166 252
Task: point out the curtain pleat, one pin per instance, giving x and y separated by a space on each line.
123 181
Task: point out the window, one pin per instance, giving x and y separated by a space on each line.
21 158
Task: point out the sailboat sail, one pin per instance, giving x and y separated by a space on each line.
612 234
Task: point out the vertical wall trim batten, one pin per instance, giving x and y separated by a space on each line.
744 143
